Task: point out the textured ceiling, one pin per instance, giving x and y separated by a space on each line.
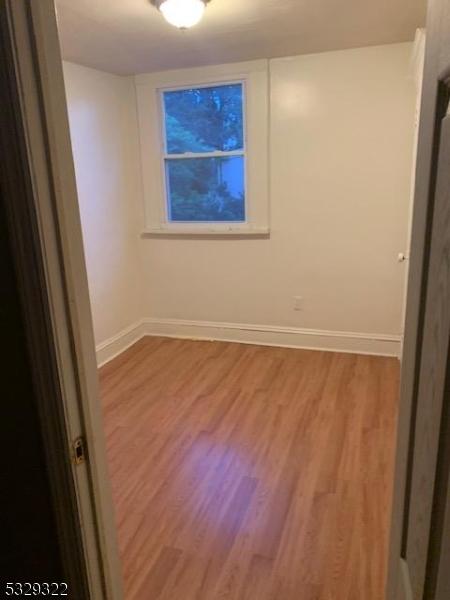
131 36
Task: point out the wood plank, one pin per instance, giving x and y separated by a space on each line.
246 472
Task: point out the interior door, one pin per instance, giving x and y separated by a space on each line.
431 388
422 465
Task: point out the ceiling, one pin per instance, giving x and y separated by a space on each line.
131 36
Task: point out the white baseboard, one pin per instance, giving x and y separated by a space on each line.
117 344
267 335
264 335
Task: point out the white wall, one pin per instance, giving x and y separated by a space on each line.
341 149
102 123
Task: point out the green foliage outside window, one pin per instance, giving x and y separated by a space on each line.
204 120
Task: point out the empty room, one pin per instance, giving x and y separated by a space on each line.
245 175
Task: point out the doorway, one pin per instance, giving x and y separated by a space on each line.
274 365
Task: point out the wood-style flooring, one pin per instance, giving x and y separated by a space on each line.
250 473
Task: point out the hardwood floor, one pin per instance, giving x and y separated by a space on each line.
250 473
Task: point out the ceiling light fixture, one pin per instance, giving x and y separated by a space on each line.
182 13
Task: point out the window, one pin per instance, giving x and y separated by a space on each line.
204 160
204 157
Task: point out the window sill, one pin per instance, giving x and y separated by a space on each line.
198 232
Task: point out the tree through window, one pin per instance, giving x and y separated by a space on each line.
204 160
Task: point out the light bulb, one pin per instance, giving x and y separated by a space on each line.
182 13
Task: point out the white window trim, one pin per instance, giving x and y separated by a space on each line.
254 77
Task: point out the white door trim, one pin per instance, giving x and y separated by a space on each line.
43 106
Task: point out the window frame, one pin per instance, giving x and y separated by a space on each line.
165 156
254 75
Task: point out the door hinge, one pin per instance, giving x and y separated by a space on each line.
79 450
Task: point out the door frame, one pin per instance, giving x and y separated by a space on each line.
398 582
47 241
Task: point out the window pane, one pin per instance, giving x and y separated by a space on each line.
204 119
206 189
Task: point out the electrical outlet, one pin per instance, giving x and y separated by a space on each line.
298 302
